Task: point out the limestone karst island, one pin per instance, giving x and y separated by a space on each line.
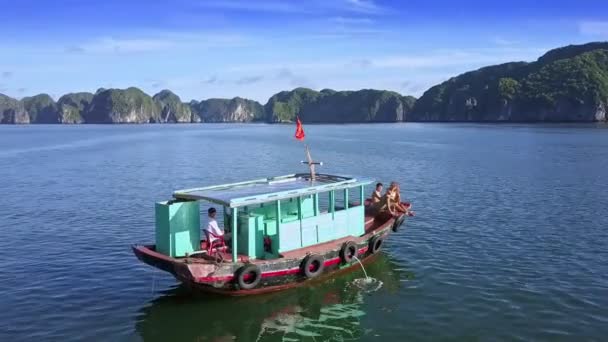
566 84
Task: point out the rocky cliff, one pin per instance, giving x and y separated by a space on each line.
129 105
72 107
172 108
568 84
328 105
228 110
12 111
41 109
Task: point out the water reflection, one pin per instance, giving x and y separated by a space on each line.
328 311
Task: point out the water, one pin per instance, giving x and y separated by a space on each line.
367 284
509 241
362 268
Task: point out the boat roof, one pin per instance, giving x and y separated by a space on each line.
270 189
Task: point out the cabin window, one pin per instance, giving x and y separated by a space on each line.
224 218
340 199
354 196
289 210
324 202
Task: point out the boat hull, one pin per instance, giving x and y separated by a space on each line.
283 282
278 274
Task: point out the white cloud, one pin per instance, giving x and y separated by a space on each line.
594 28
342 27
158 84
351 21
307 6
283 66
253 6
349 31
436 59
104 45
365 6
425 61
464 57
162 42
504 42
210 80
249 80
413 87
293 79
39 68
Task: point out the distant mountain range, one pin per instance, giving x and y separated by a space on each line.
568 84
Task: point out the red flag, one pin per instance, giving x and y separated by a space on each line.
299 129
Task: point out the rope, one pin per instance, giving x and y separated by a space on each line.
153 282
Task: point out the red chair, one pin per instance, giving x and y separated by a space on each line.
219 244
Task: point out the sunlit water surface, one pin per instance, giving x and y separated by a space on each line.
509 242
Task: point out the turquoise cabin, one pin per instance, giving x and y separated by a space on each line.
267 217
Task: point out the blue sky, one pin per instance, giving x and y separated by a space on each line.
255 48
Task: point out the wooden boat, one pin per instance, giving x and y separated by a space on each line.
286 231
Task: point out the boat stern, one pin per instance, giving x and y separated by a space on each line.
148 255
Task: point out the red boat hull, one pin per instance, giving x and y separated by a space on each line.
276 274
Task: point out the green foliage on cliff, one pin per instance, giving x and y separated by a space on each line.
566 84
583 78
129 105
12 111
455 98
72 107
7 102
228 110
570 51
408 102
508 87
284 106
41 109
172 107
328 105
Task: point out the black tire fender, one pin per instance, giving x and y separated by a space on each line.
375 244
398 222
312 265
348 252
248 277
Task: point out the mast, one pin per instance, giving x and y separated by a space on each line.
311 163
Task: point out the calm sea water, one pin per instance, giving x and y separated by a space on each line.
509 242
